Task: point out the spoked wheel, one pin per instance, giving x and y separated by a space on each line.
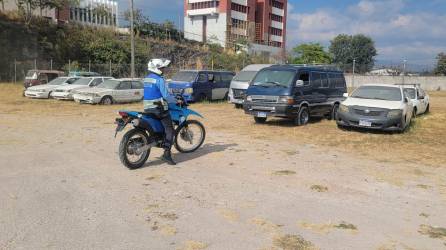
189 136
132 151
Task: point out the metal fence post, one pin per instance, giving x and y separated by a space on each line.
353 76
89 65
51 64
69 66
110 68
35 63
404 71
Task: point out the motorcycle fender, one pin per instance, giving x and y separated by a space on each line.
191 112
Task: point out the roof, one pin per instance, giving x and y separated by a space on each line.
256 67
328 68
126 79
382 85
205 70
47 71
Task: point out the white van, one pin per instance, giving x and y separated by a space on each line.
240 83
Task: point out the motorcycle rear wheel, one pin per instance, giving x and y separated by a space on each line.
131 141
186 133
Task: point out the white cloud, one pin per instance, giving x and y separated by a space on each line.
398 34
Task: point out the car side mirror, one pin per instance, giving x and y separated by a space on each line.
211 78
406 100
345 95
299 83
421 97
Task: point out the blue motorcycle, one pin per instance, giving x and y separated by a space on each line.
148 132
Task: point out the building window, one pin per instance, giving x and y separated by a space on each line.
276 18
239 24
276 4
204 5
275 32
239 8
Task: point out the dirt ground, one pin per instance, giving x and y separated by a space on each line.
272 186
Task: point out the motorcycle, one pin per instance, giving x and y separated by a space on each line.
148 132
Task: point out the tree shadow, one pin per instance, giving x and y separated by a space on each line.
184 157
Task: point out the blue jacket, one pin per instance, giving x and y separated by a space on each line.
155 90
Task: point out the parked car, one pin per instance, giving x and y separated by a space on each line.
295 92
40 77
112 91
83 74
44 91
419 98
200 85
66 92
240 83
376 106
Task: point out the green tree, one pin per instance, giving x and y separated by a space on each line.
346 48
440 69
309 53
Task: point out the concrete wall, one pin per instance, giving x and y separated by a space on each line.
427 82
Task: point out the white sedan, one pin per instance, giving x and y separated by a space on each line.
419 98
66 92
112 91
44 91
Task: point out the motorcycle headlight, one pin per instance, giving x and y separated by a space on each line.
343 108
188 91
286 99
249 98
394 113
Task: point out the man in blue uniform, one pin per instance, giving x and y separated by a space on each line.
156 99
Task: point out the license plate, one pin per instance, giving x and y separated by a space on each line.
365 123
261 114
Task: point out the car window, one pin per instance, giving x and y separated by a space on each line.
340 81
96 82
410 92
324 80
226 77
125 85
71 80
137 85
305 77
202 78
316 79
217 77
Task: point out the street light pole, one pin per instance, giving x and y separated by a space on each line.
404 71
353 76
132 42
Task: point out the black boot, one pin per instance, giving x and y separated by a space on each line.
167 157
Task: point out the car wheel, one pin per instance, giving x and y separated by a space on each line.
202 97
106 100
238 106
260 120
403 125
303 117
334 112
49 95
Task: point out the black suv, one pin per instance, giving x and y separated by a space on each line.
296 92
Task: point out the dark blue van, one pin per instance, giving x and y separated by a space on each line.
200 85
295 92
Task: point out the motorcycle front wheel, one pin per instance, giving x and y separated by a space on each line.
131 151
189 136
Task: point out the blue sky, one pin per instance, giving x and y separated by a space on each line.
402 29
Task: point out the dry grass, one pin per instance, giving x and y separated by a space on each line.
319 188
424 142
433 232
292 242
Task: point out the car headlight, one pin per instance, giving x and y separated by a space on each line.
343 108
188 91
286 99
395 113
41 90
249 98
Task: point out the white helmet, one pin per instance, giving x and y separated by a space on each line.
155 65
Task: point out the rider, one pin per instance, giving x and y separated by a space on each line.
156 99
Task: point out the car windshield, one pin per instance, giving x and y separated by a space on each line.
378 93
271 78
82 81
57 81
184 76
108 84
410 92
245 76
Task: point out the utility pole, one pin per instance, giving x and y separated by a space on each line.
15 70
353 76
404 71
51 64
132 42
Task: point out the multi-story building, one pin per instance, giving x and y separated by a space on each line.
262 23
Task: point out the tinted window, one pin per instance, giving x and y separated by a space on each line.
305 76
217 77
226 77
202 77
96 82
212 77
71 80
137 85
316 79
125 85
244 76
184 76
378 93
324 80
340 81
